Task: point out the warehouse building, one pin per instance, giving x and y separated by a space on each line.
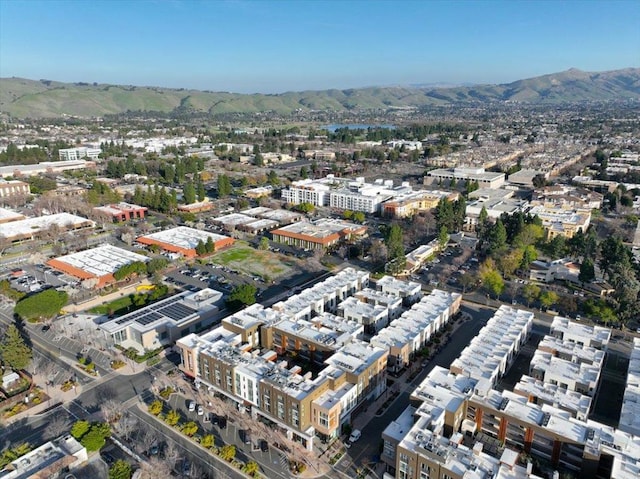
183 240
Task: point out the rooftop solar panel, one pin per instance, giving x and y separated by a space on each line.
148 318
176 311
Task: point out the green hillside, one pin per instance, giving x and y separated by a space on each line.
22 98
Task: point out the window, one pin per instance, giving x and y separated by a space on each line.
295 415
280 411
266 401
323 419
218 381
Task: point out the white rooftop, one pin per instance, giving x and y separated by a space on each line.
102 260
30 226
184 237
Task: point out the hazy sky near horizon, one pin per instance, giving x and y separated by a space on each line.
275 46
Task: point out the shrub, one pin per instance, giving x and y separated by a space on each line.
172 418
9 455
227 452
190 428
80 428
207 441
166 392
117 364
120 470
155 407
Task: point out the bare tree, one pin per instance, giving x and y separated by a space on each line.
110 410
57 426
155 468
125 426
171 453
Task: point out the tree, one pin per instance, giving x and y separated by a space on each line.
79 429
172 418
443 237
242 295
497 239
258 160
510 262
190 428
304 173
120 470
201 248
224 186
264 243
210 246
94 440
492 282
189 193
43 305
394 242
539 181
155 407
251 468
273 179
530 292
548 299
358 217
57 426
347 214
587 271
207 441
529 255
14 352
227 452
378 251
201 192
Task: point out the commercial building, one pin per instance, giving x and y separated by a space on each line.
46 167
164 322
52 459
259 192
417 257
197 207
80 153
123 211
31 228
183 240
7 216
485 179
97 264
524 178
13 188
319 234
494 206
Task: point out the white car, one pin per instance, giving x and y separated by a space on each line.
200 410
192 406
355 435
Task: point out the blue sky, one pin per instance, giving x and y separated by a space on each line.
276 46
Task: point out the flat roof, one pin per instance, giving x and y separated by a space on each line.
31 226
184 237
8 215
102 260
233 219
319 229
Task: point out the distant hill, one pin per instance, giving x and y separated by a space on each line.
30 98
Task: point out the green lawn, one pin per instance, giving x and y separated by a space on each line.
118 306
246 259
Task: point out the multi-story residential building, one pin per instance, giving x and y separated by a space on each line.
485 179
630 413
493 350
80 153
373 317
582 378
315 192
541 420
592 336
391 302
13 188
563 222
407 334
409 291
414 202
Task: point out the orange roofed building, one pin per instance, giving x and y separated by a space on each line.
319 234
183 240
96 263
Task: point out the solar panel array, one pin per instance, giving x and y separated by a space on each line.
173 311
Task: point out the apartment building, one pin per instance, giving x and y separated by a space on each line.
592 336
563 222
493 350
630 413
576 404
409 333
409 291
391 302
373 317
582 378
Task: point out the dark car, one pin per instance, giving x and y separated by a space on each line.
264 446
45 328
108 458
245 436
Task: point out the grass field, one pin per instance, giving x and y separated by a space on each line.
246 259
117 306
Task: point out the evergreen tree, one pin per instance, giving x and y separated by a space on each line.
200 190
189 193
210 246
201 248
587 271
14 352
273 179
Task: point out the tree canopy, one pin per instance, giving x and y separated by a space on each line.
242 295
14 351
42 305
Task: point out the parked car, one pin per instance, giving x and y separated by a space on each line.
355 435
192 406
200 410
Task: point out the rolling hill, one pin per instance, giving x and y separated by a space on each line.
22 98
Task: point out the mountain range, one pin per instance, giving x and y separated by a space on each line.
24 98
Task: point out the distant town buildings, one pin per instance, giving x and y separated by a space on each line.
319 234
122 211
31 228
47 167
13 188
485 179
80 153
